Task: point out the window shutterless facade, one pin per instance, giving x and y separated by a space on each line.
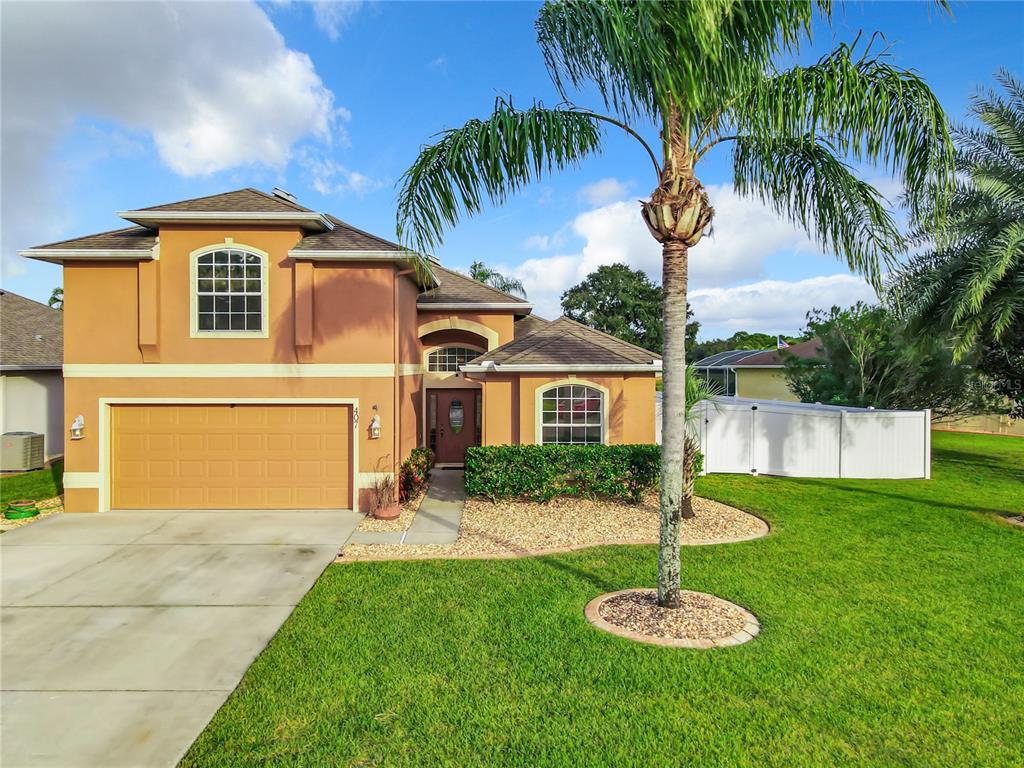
572 414
229 287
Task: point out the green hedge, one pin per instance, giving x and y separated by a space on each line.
542 472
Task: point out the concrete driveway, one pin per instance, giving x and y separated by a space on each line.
124 632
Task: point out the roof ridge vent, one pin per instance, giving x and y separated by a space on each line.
284 195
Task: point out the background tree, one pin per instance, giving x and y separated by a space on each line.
56 298
484 274
706 76
623 302
869 357
970 281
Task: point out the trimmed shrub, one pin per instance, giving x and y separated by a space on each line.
543 472
414 472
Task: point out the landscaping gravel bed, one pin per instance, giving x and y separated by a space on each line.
400 523
699 616
517 528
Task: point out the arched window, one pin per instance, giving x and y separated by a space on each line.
229 291
448 359
572 413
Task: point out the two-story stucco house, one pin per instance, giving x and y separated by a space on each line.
243 351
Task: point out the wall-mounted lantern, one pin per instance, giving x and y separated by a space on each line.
375 424
78 427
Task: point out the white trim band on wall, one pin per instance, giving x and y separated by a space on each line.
227 370
81 479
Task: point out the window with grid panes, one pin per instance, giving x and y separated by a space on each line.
572 414
229 291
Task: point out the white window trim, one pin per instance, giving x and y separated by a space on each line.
193 310
538 407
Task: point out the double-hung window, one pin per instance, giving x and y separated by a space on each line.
229 291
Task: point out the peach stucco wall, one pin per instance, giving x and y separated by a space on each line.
500 322
510 410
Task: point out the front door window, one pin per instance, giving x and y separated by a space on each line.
456 416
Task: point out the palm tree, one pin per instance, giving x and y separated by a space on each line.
484 274
705 75
697 388
56 299
970 283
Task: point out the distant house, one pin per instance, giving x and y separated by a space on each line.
755 373
31 356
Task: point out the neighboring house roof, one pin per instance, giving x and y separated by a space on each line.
248 200
524 326
759 358
31 334
457 291
565 345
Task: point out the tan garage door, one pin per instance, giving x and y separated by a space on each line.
231 457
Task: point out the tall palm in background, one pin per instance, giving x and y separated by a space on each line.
970 282
484 274
706 76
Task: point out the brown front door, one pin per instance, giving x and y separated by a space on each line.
456 424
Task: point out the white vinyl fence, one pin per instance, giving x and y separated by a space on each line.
771 437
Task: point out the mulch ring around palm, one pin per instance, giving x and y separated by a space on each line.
700 621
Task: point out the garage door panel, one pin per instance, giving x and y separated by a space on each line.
224 457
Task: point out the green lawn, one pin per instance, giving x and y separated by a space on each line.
893 632
36 485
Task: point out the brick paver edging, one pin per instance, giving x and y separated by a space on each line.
750 630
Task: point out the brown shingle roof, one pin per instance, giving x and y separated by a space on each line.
456 288
524 326
344 237
31 334
129 238
566 342
246 200
805 349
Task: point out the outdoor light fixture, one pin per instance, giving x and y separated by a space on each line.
77 427
375 424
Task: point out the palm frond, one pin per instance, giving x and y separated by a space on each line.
805 181
866 108
487 159
642 55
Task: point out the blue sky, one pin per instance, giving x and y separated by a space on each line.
114 106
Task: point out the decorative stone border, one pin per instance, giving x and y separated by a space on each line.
751 627
1017 520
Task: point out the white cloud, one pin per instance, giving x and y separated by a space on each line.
604 191
775 305
331 16
537 242
746 234
329 177
213 84
439 63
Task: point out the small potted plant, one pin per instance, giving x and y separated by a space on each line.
384 501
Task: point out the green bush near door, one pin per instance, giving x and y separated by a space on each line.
544 472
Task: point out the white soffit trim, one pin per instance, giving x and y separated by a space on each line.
227 370
271 217
426 306
60 255
497 368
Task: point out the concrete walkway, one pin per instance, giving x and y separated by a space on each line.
124 632
437 520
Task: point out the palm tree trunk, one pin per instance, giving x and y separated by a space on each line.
673 418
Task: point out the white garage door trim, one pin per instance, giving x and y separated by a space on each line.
108 403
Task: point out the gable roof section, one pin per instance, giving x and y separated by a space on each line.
457 291
565 345
344 237
524 326
31 334
248 200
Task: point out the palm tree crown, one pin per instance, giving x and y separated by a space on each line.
705 75
970 282
484 274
